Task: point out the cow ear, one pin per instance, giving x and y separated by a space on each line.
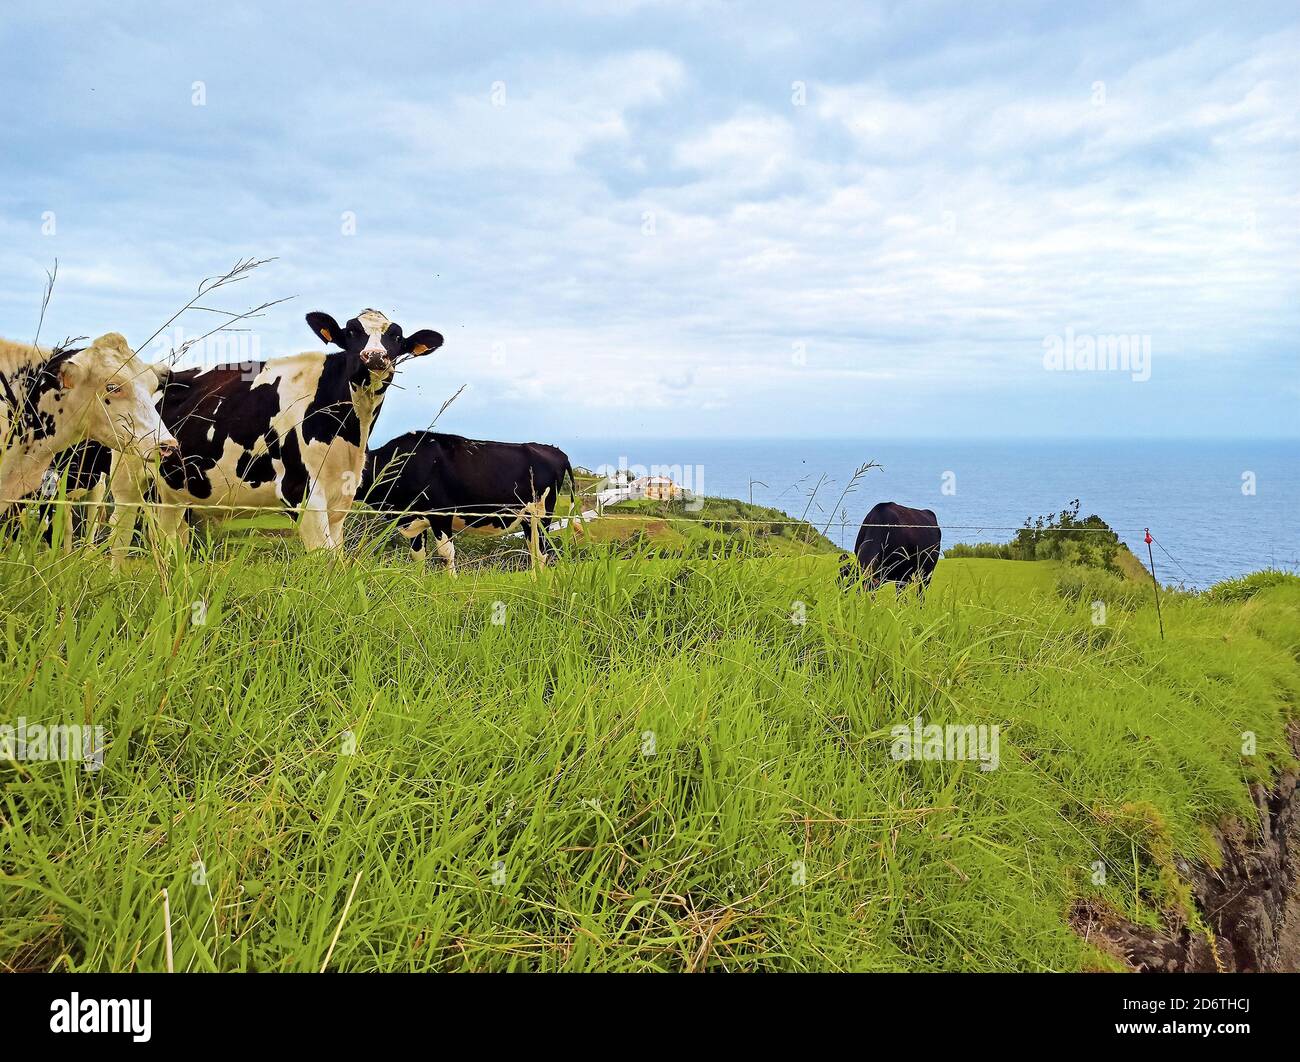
114 341
326 327
71 374
164 373
421 342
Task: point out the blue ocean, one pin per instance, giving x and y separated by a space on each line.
1216 508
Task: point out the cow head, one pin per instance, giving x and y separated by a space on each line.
851 573
373 339
109 395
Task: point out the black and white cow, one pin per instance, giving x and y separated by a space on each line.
444 483
895 544
289 433
51 400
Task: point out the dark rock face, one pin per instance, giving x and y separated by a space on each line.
1251 902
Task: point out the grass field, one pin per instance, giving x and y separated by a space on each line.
623 763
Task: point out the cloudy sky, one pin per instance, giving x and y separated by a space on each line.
693 219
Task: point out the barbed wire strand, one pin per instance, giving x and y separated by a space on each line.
397 515
478 514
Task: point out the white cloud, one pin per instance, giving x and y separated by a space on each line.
538 119
918 226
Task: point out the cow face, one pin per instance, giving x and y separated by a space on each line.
111 395
373 339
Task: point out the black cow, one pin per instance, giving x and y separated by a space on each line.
443 483
895 544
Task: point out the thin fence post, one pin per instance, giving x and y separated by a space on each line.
1155 585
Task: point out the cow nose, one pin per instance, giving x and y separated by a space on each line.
169 451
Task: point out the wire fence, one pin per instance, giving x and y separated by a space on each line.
516 515
521 509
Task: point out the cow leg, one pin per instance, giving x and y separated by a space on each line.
418 553
336 527
94 511
927 571
440 527
126 479
413 532
447 551
418 540
171 523
340 508
314 523
79 515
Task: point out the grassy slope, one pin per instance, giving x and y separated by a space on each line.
721 526
717 525
520 750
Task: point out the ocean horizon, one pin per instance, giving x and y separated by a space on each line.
1217 507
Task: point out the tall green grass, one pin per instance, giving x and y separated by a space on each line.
640 763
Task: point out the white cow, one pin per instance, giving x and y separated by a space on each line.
53 399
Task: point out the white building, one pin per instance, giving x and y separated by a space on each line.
655 488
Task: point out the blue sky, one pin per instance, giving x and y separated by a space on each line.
689 219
